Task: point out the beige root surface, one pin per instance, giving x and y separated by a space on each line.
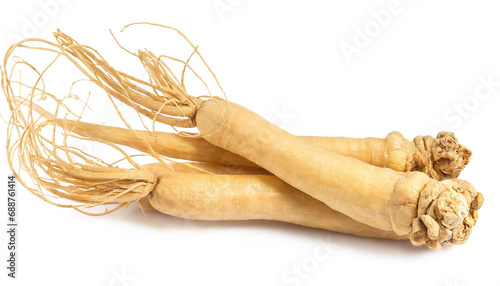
378 197
420 234
66 176
330 219
194 195
440 158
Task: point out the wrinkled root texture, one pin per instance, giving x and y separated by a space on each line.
441 157
446 213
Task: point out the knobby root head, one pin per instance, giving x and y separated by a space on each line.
446 213
441 157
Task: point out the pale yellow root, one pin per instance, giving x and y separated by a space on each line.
197 196
404 203
207 168
440 158
378 197
67 177
193 196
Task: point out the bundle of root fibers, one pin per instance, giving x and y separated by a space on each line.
377 187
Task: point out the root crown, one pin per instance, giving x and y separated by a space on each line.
446 212
441 157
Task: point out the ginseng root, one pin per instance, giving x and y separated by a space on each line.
193 195
379 197
194 191
186 200
410 204
440 158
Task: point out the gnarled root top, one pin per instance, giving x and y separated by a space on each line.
447 211
441 157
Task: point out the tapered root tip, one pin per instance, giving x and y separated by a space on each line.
442 157
447 211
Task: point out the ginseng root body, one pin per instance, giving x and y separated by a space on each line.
440 158
349 181
379 197
196 195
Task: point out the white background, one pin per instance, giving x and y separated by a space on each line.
283 60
